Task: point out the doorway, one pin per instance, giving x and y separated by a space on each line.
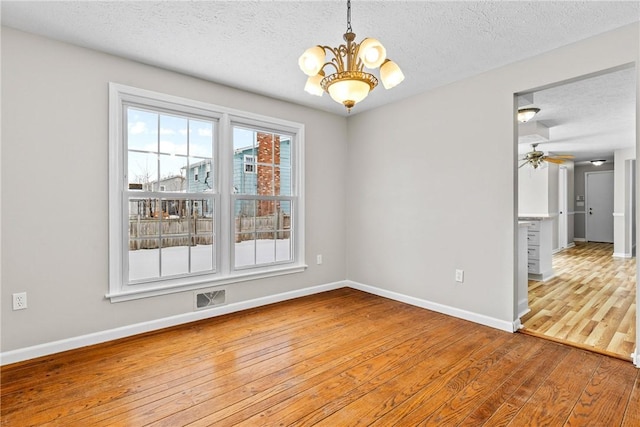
576 212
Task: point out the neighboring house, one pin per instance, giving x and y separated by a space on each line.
199 176
174 183
257 170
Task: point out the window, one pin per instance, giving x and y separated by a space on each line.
249 164
199 195
263 201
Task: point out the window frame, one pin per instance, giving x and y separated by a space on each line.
119 287
260 127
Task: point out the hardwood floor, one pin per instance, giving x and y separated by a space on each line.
339 358
591 302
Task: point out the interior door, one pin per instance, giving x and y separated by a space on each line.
599 209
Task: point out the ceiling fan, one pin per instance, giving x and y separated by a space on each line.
535 158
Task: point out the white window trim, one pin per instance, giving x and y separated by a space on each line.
226 274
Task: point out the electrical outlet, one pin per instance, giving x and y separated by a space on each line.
460 276
20 301
318 259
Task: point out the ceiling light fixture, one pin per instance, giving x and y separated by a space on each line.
598 162
526 114
349 84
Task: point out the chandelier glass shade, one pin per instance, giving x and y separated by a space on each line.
350 83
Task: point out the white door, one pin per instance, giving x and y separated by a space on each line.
599 209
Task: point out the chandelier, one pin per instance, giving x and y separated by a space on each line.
349 84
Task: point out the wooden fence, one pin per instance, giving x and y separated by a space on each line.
144 232
266 227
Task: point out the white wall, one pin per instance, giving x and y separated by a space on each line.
54 190
535 190
538 194
438 189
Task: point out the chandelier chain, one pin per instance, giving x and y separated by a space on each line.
349 30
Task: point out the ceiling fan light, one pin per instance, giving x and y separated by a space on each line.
390 74
313 84
312 60
598 162
372 53
526 114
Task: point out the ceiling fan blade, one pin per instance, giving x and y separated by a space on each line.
563 156
522 165
554 160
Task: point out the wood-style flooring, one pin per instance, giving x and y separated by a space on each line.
340 358
591 302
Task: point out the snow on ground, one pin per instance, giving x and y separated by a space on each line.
145 263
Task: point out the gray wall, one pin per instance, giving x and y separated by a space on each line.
54 189
408 235
579 219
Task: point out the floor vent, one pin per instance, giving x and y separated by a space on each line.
208 299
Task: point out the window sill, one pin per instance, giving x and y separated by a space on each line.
134 292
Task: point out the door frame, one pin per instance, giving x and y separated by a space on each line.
563 205
634 64
630 207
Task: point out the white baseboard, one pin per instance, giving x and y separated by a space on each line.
622 255
579 239
440 308
635 356
45 349
569 245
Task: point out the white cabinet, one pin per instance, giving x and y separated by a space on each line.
522 292
539 249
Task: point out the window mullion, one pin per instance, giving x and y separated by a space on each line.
225 184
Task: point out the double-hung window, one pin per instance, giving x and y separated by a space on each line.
199 195
262 201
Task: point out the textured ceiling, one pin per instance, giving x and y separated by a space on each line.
589 118
254 45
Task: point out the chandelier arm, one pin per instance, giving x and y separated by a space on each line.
332 64
337 60
348 52
356 63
